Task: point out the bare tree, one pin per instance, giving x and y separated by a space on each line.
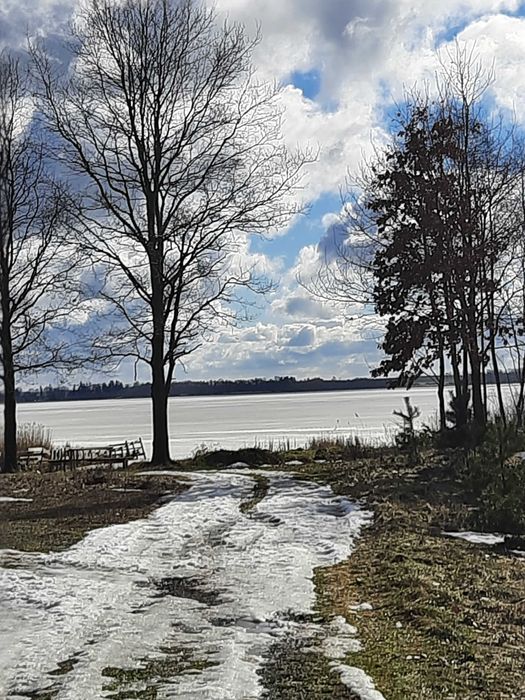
34 262
180 153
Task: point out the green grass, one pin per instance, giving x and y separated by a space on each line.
144 680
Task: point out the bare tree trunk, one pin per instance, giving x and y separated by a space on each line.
159 390
10 452
477 397
159 396
10 455
441 390
495 367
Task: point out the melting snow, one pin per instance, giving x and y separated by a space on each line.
358 682
342 641
97 603
477 537
361 607
11 499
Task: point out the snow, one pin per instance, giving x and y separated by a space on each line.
361 607
237 465
13 499
477 537
97 603
359 682
123 490
340 642
342 639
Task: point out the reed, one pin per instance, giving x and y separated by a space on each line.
30 435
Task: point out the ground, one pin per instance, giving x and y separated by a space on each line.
59 508
445 618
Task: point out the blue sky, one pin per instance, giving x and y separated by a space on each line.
342 63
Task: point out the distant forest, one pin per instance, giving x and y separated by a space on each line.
217 387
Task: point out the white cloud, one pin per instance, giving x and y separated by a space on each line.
365 54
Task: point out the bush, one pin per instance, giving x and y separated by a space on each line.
494 474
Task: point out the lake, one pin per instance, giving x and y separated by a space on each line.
232 421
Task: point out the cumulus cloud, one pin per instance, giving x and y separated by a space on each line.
299 305
364 54
303 338
18 18
338 349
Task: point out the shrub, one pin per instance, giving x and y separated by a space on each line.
494 474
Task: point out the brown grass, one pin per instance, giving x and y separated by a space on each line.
30 435
448 616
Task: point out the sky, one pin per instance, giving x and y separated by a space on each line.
342 65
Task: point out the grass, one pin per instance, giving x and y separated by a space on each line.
447 618
67 505
293 671
260 490
144 681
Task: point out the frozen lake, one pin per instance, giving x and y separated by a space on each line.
232 421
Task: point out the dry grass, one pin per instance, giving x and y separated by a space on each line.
448 616
30 435
64 506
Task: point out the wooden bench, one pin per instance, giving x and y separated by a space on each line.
119 453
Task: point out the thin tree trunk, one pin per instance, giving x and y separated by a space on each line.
441 390
477 397
10 451
497 378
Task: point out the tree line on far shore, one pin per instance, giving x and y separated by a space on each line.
115 389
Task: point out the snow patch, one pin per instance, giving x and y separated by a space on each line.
124 490
12 499
100 601
361 607
477 537
341 640
358 682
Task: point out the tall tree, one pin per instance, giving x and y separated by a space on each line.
439 210
179 151
34 259
444 203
